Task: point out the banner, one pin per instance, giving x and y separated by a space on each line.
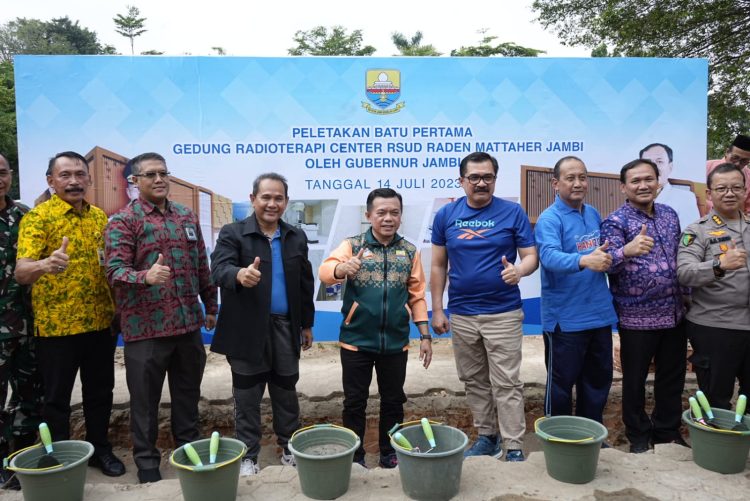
339 127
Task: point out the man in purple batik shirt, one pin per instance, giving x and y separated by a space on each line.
643 238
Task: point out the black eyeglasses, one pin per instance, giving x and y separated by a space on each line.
723 190
164 174
475 178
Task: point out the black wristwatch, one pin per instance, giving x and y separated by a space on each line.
718 272
422 337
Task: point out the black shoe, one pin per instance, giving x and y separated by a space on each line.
108 463
150 475
638 448
9 480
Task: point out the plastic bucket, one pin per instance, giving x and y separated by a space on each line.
722 451
215 482
324 455
61 483
434 475
571 446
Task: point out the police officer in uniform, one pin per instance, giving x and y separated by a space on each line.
713 260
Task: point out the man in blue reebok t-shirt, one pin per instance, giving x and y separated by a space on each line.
480 236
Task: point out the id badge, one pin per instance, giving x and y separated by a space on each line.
190 233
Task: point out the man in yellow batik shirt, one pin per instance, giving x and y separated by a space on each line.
61 252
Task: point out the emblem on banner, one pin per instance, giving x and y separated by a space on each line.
383 88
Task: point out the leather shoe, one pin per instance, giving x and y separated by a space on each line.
108 463
149 475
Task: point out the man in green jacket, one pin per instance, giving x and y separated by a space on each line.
385 286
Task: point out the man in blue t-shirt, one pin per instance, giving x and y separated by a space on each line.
577 309
480 236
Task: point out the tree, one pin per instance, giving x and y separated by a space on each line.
152 52
712 29
8 142
486 49
413 46
219 51
319 42
58 36
130 25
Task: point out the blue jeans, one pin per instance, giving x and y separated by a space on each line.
582 359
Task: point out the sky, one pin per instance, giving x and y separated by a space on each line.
255 28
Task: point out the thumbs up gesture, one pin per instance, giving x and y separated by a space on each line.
598 260
57 262
640 245
350 267
250 276
158 274
733 258
510 274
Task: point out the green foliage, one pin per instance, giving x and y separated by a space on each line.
58 36
713 29
130 25
319 42
152 53
413 46
487 49
8 143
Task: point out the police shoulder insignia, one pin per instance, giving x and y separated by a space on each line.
716 219
687 239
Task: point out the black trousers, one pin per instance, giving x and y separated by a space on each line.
580 359
668 349
390 371
147 362
60 359
719 357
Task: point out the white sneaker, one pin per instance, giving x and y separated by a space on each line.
248 467
287 458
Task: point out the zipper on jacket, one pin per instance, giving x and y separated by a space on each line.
383 320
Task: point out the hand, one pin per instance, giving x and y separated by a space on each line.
250 276
733 258
158 274
599 260
511 275
440 323
350 267
57 262
640 245
425 352
210 322
307 338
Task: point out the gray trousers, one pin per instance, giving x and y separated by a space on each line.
280 371
147 362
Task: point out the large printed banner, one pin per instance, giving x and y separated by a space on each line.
339 127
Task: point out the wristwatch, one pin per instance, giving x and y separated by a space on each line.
422 337
717 268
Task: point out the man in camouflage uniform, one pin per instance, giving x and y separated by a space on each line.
20 419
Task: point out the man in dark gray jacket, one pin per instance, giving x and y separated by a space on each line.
266 314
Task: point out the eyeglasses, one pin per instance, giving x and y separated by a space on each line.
164 174
67 176
475 178
738 160
723 190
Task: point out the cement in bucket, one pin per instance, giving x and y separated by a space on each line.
324 455
434 475
722 451
213 482
571 446
63 483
